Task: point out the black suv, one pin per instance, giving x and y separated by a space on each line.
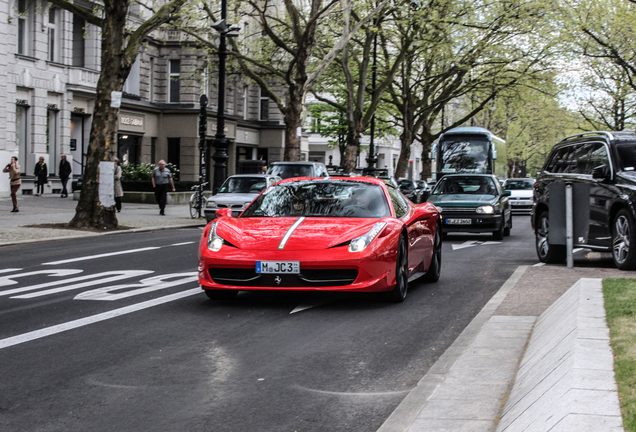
605 164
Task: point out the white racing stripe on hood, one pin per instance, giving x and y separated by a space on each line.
290 231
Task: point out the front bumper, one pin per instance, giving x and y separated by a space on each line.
478 223
334 269
210 213
521 205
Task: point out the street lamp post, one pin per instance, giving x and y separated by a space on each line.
220 142
372 158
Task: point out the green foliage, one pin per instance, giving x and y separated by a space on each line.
143 172
620 308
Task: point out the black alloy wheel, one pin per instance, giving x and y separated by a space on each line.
220 294
435 269
401 274
623 232
547 253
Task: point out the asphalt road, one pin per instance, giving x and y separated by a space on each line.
127 342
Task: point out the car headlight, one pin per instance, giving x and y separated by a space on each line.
487 209
359 244
214 241
211 204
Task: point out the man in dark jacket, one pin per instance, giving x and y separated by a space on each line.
64 172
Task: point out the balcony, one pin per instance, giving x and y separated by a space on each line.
82 79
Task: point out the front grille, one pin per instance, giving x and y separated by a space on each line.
458 210
307 278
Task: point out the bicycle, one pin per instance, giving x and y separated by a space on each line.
198 201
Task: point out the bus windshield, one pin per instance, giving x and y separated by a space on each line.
462 153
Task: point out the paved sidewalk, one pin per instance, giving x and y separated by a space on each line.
467 388
51 209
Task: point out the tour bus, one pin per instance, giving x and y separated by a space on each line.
469 150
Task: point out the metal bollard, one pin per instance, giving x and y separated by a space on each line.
569 225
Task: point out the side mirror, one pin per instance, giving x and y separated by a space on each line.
227 212
494 154
506 193
600 172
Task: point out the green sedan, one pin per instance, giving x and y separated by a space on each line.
473 203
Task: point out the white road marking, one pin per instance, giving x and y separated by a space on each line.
9 270
538 265
181 244
465 245
101 278
37 334
349 394
8 280
90 257
491 242
144 286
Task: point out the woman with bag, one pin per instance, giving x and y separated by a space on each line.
41 173
119 191
14 175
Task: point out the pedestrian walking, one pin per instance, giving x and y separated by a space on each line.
119 191
64 173
41 173
161 180
14 177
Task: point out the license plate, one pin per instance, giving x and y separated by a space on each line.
458 221
287 267
519 203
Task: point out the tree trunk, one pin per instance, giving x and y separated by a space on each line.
293 121
427 144
89 211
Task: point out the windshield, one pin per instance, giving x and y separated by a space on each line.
626 157
247 185
405 185
292 170
465 185
333 198
518 184
460 153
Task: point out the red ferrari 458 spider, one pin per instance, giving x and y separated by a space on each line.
355 234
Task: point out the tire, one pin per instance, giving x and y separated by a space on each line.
193 206
547 253
401 274
435 269
221 294
508 227
623 232
499 234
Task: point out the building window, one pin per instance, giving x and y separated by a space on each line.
78 42
151 89
153 149
53 35
131 86
175 81
24 27
174 151
51 137
263 107
245 89
21 134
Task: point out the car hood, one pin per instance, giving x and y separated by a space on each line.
233 198
462 200
264 233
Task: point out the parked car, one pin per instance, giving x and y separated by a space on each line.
353 234
415 190
287 170
473 203
606 163
237 192
521 194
